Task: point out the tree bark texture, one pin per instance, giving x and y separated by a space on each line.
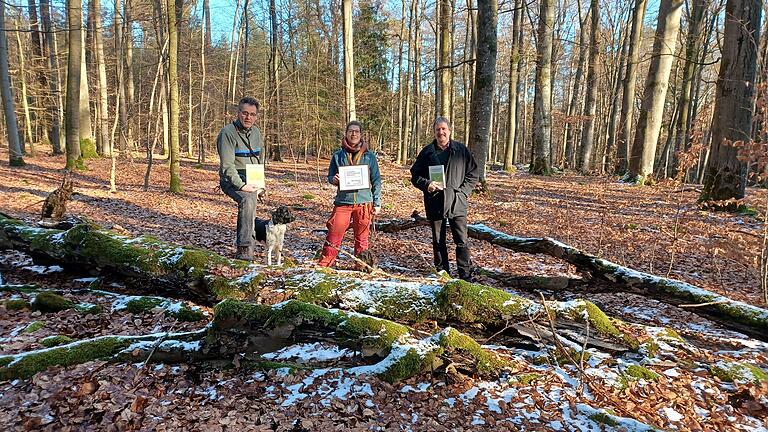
74 21
725 176
590 104
485 82
656 84
15 157
542 104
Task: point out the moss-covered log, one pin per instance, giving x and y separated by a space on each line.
254 328
136 348
194 274
144 262
732 314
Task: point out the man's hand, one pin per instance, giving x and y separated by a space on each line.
377 210
249 188
434 187
335 179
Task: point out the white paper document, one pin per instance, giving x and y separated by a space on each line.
354 177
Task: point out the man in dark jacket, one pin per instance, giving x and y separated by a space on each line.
447 202
239 144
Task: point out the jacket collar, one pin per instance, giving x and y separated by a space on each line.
239 126
451 147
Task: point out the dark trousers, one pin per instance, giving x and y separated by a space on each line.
246 214
458 226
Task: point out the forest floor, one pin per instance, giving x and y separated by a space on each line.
659 230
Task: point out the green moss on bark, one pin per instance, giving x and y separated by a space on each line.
468 302
27 364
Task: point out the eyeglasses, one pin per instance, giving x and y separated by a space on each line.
353 132
248 114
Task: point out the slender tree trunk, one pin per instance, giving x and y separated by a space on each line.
247 24
28 135
415 121
573 106
274 63
590 105
349 61
37 68
15 157
233 49
615 111
74 22
400 92
485 81
86 128
692 48
514 59
652 108
725 176
443 95
628 93
173 84
205 45
105 145
55 112
542 105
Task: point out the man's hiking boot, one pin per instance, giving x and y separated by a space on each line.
244 253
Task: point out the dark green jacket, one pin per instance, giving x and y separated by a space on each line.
234 153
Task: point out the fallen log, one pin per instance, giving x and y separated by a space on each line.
239 328
732 314
195 274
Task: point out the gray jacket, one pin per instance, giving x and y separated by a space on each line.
238 147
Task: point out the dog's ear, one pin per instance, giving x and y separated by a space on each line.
261 196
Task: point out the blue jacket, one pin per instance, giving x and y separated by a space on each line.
360 196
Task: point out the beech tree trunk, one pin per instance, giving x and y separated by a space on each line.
485 82
349 61
628 93
725 176
105 143
542 104
443 95
573 106
15 157
74 22
173 84
590 105
55 113
656 84
514 59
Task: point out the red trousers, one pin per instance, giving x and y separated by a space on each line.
360 217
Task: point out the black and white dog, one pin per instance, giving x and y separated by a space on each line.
271 233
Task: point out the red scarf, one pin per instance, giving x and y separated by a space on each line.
354 152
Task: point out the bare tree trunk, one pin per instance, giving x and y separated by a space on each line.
443 94
15 157
74 22
542 105
205 44
652 108
233 49
55 113
590 105
413 21
692 48
349 61
173 84
573 106
725 176
37 68
485 81
415 122
274 75
247 24
28 135
400 93
87 142
615 111
514 60
104 143
628 93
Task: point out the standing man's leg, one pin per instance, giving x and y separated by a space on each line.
337 225
361 225
461 239
439 248
246 215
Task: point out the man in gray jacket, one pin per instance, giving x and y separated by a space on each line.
240 143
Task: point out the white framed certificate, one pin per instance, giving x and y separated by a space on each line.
354 177
254 175
437 174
